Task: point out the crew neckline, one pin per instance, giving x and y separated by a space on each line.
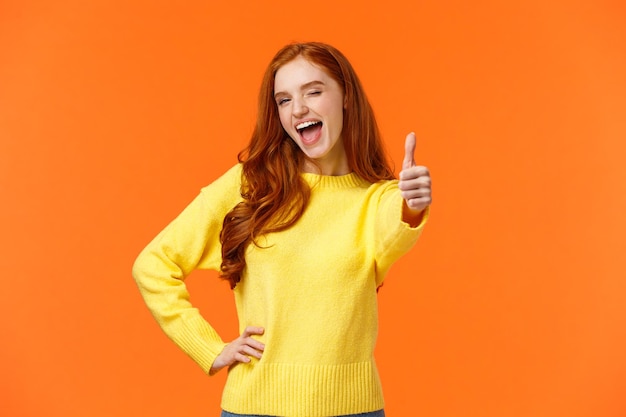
333 181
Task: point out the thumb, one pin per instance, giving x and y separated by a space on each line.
409 151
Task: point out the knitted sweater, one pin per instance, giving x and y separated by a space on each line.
312 287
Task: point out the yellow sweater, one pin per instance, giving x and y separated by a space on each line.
312 287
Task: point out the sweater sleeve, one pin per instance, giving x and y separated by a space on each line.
190 241
393 236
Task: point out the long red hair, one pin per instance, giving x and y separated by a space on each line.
274 194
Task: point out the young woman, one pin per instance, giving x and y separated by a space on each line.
304 228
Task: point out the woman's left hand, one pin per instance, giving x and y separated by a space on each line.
414 184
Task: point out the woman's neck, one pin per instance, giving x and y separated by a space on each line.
321 168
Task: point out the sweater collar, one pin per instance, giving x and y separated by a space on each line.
350 180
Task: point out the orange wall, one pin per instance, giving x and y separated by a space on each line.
114 113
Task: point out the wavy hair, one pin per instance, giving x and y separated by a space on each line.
273 191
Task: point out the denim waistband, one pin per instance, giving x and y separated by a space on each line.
379 413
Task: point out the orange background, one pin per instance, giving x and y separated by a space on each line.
113 114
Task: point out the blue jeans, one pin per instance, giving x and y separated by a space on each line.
379 413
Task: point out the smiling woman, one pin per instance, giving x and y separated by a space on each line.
314 176
310 105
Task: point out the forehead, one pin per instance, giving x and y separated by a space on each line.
298 72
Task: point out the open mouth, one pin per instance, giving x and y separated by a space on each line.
310 130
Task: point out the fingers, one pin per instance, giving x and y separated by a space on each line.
248 345
415 187
409 151
239 357
250 330
416 193
252 351
240 349
253 343
418 204
414 172
417 198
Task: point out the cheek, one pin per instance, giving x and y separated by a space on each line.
284 120
338 119
335 110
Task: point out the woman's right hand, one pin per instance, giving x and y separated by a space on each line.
240 349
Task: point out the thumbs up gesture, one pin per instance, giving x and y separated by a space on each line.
414 181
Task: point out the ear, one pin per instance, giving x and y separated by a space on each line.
345 102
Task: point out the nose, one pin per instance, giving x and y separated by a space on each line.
299 108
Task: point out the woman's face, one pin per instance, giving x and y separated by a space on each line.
310 105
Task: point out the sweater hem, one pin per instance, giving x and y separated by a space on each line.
294 390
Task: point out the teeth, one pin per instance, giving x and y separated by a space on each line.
305 125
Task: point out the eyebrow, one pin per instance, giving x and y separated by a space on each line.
303 86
